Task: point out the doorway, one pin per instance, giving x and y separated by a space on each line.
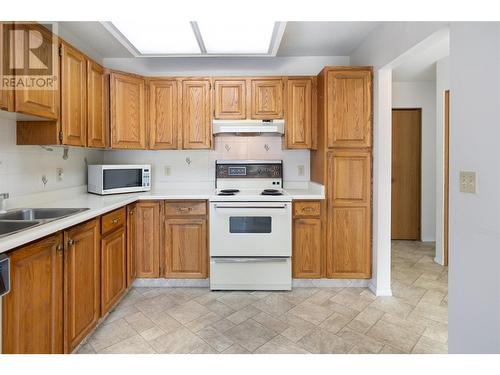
406 174
446 173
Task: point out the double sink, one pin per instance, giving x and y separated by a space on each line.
18 220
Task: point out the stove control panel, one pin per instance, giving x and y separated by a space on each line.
265 170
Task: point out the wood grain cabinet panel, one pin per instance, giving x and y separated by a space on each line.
266 98
74 96
128 108
6 96
82 284
348 107
33 311
163 114
196 114
307 248
186 248
131 243
298 114
230 99
97 106
148 239
113 269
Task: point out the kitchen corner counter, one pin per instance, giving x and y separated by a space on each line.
313 191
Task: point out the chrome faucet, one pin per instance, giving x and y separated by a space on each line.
3 198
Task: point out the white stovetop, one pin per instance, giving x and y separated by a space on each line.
252 195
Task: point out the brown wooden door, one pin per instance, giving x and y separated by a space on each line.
230 102
406 174
298 114
42 103
131 244
349 214
128 108
186 248
6 96
82 284
113 268
97 106
164 119
33 310
148 239
266 98
348 108
307 247
74 96
196 114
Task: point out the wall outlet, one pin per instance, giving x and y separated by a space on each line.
59 174
467 182
300 170
167 170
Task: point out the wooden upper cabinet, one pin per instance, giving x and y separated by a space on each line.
148 239
266 98
40 102
230 99
131 243
33 311
164 114
82 284
97 106
74 96
299 113
6 96
128 107
196 114
348 107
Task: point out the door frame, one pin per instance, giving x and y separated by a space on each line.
419 202
446 175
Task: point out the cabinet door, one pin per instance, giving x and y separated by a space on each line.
306 257
97 106
128 121
163 114
113 269
348 102
230 99
298 116
33 310
196 114
6 96
42 103
82 284
349 214
186 248
131 244
74 96
266 98
148 239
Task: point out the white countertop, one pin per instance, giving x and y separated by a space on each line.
99 205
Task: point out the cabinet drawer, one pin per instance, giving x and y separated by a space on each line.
307 208
113 220
192 208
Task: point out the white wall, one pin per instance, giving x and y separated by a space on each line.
442 84
22 167
474 254
423 95
202 167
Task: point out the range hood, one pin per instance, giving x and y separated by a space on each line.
249 127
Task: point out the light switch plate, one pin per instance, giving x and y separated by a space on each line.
300 170
167 170
467 182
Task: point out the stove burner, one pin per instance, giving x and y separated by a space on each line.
271 192
228 192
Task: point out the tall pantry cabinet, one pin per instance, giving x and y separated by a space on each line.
343 163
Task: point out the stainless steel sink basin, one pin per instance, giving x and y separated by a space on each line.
40 213
11 227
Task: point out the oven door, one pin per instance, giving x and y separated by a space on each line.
250 229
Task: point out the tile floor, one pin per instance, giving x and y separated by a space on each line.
305 320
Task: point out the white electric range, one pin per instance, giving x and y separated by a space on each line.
250 227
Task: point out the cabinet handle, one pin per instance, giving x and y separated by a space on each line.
60 247
131 212
185 209
307 209
71 242
114 221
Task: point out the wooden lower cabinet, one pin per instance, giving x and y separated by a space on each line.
148 239
113 268
32 311
307 255
82 284
131 243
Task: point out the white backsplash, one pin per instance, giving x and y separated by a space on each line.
22 167
197 166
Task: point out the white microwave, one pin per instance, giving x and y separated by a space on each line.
104 179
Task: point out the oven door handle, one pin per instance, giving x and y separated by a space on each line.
251 207
250 260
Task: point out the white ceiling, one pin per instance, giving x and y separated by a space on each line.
299 39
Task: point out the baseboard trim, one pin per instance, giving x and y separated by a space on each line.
173 283
380 292
329 283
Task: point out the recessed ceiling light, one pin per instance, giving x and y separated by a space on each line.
150 37
236 37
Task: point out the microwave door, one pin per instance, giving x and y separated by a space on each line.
122 178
